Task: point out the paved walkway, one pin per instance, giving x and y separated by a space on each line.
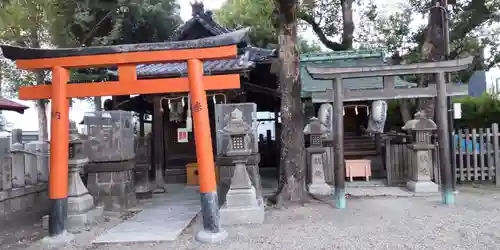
163 219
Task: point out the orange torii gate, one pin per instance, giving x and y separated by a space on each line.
125 58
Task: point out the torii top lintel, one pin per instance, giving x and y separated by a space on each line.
126 57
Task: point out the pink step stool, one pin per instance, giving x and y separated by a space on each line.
358 168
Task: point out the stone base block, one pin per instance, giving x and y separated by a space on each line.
422 186
242 215
241 198
115 189
82 203
209 237
77 223
320 189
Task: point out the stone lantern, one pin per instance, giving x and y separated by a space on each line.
316 130
242 204
239 135
82 212
421 130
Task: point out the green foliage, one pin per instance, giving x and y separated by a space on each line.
257 14
22 23
308 47
479 112
86 23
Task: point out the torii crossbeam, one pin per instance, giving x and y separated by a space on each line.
125 58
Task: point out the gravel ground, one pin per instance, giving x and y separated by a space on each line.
367 223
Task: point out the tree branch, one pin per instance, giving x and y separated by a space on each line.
473 15
319 32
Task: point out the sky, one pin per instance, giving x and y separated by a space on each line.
28 121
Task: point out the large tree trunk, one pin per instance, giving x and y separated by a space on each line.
405 108
347 29
432 50
98 103
41 105
41 109
292 182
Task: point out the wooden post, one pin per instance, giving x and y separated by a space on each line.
461 155
58 175
496 153
444 141
338 144
142 133
474 154
158 145
387 162
165 124
489 158
212 230
482 173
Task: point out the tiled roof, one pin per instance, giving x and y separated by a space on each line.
6 104
246 61
248 55
345 59
206 20
180 69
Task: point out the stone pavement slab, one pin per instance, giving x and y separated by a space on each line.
161 220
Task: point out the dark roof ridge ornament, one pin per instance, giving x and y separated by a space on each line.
197 8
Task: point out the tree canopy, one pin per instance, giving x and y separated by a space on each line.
260 16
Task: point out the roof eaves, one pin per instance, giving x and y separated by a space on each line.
340 55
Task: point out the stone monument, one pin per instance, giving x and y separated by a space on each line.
421 129
111 154
243 205
317 186
82 212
